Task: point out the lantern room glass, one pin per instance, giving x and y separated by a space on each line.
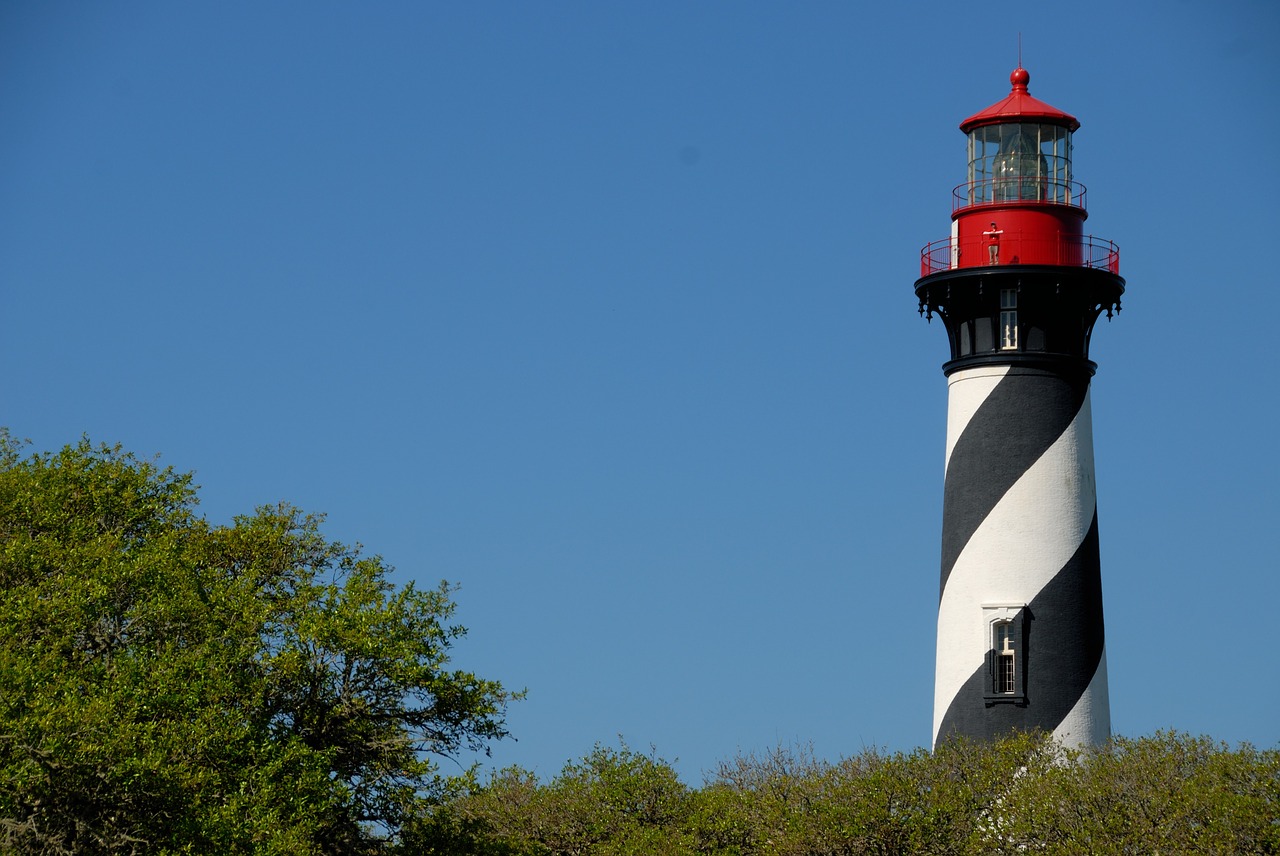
1020 161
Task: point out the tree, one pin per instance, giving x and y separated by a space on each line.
171 686
1170 793
1167 793
614 802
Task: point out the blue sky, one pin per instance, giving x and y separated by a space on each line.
605 313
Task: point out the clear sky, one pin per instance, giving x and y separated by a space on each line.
604 311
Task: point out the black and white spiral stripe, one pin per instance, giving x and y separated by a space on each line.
1020 527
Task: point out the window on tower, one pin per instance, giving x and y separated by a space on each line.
1005 682
1008 319
1006 653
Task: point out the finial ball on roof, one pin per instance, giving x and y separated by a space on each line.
1020 77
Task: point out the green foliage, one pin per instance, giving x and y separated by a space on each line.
1167 794
614 802
789 802
176 687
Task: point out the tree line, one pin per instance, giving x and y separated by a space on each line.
170 686
1165 794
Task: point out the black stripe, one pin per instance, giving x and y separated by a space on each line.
1065 640
1017 423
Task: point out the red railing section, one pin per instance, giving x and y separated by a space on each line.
1066 250
997 191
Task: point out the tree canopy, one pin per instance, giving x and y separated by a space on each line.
173 686
1169 793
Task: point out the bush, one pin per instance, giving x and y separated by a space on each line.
1170 793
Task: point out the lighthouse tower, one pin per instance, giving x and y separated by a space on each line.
1018 286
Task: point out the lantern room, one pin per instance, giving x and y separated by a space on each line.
1019 161
1019 149
1019 204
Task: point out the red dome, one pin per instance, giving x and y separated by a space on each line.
1018 105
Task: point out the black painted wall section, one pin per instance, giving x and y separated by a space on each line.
1057 308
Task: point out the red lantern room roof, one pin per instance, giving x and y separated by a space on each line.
1019 105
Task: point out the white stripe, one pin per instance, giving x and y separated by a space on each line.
1033 531
964 400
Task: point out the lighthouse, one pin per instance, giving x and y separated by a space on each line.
1019 285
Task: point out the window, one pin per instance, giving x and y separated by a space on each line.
1007 627
1005 654
1008 319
